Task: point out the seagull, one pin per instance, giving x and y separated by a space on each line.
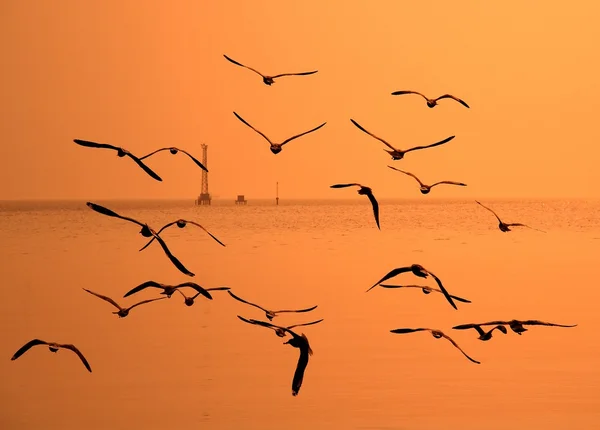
278 331
146 231
122 312
270 314
431 102
505 227
419 271
268 80
174 151
515 325
426 188
121 152
181 223
364 191
437 334
483 335
297 341
276 147
426 290
53 347
189 301
398 154
169 290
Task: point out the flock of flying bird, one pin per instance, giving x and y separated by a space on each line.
299 341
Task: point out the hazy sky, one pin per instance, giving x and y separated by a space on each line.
144 75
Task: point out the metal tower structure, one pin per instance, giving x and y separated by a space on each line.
204 198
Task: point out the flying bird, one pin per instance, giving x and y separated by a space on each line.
278 331
122 312
431 102
483 335
53 347
268 80
437 334
419 271
504 227
297 341
276 147
146 231
269 313
515 325
426 290
121 152
169 290
181 223
174 151
398 154
425 189
364 191
189 301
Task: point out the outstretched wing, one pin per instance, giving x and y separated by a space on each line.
449 183
295 74
296 310
441 142
408 173
391 274
173 259
146 169
304 324
375 205
537 322
196 287
256 130
90 144
450 96
108 212
443 290
301 366
472 325
209 233
459 348
108 299
407 330
518 224
79 354
360 127
27 346
496 215
240 64
144 286
345 185
302 134
244 301
400 93
147 301
194 159
154 152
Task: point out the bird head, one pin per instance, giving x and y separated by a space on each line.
275 149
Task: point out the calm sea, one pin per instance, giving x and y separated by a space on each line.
169 366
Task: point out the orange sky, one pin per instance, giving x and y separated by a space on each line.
143 75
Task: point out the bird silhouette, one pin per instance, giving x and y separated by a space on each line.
425 289
438 334
364 191
517 326
424 188
53 347
431 102
269 313
174 151
181 223
122 312
504 227
189 301
269 80
169 290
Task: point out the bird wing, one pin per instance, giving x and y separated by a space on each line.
409 174
244 301
375 205
459 348
449 183
240 64
443 290
194 159
255 322
259 132
143 286
537 322
495 214
173 259
159 232
218 289
345 185
450 96
422 287
27 346
294 74
391 274
196 287
146 301
372 135
300 368
154 152
302 134
146 169
296 310
399 93
108 299
518 224
407 330
471 325
303 324
108 212
441 142
90 144
209 233
79 354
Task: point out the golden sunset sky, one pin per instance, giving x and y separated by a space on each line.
148 74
